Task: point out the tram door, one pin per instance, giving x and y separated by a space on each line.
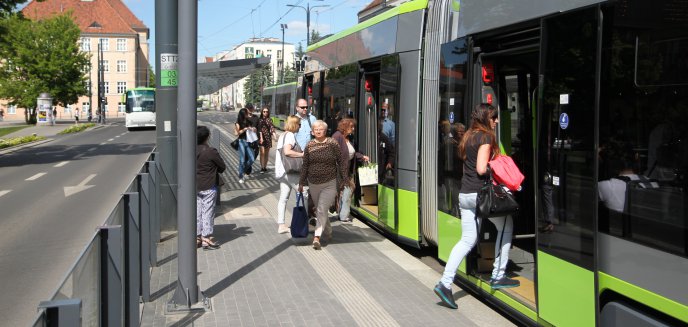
509 83
373 194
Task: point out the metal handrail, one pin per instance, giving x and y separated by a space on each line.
127 216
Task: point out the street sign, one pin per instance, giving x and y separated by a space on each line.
168 69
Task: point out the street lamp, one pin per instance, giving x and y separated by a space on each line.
308 8
284 27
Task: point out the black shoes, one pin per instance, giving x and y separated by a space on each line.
504 282
445 295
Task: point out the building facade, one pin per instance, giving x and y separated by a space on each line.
254 48
123 40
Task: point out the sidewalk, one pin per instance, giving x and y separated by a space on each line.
261 278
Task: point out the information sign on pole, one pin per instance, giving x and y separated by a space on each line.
168 69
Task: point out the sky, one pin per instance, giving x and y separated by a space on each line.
224 24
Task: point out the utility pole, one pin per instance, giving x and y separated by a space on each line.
100 82
166 59
308 8
284 27
103 99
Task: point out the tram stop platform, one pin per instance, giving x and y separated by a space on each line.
261 278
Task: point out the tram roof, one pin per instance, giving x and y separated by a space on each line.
212 76
396 11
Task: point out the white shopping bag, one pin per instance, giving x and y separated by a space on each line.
367 175
251 136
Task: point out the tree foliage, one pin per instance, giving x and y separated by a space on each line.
290 74
253 87
41 56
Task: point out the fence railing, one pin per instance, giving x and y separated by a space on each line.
111 277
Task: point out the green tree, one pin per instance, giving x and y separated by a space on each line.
290 74
151 77
41 56
315 37
253 88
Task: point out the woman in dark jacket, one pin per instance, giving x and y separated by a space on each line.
345 128
209 166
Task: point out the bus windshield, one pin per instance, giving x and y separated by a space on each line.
140 101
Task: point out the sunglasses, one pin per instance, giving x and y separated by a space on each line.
304 107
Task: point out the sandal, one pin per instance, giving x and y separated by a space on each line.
209 244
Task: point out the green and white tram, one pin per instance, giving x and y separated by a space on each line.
588 92
281 99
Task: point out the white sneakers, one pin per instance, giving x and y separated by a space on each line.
241 181
282 229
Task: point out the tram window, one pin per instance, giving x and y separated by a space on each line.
643 129
451 125
388 119
567 148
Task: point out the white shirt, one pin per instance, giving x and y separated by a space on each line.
352 152
286 138
613 191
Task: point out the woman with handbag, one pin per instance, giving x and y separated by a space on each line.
346 127
243 126
266 130
209 166
322 171
286 147
477 147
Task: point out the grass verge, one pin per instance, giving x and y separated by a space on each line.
76 128
8 130
6 143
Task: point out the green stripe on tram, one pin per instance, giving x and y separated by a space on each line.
406 7
408 215
641 295
566 292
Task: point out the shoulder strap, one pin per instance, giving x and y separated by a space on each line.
308 119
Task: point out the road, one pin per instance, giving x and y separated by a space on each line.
52 198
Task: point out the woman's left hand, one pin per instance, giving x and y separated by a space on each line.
366 159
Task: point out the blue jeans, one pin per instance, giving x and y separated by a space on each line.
345 203
469 236
246 156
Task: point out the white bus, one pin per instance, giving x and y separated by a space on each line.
140 107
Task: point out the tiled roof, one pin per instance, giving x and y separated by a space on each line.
92 16
371 5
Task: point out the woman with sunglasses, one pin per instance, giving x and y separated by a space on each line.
246 156
477 147
266 130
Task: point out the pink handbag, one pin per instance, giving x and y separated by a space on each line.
505 172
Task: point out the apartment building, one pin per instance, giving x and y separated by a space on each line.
254 48
123 39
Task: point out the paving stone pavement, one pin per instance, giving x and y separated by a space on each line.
261 278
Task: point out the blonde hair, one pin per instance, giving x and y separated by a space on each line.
292 123
320 123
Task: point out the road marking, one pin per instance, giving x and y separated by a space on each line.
69 190
79 155
35 177
3 192
118 136
61 164
102 143
110 140
92 149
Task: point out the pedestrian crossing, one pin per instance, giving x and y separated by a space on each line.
221 137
